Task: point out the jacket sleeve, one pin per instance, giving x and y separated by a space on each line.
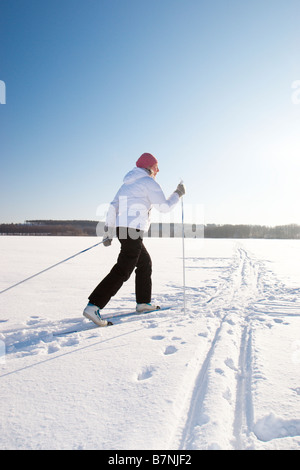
112 212
159 200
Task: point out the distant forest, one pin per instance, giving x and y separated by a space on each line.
93 228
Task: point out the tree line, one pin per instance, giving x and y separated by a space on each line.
92 228
291 231
51 227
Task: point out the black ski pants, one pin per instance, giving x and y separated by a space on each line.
133 254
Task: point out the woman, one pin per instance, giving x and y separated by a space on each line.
129 213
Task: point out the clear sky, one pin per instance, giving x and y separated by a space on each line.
204 85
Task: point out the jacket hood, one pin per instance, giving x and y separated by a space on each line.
134 175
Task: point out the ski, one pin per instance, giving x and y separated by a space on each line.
77 329
133 313
117 316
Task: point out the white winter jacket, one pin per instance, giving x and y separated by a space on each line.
133 202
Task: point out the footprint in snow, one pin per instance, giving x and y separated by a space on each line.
170 350
204 334
34 320
152 325
157 337
229 363
146 373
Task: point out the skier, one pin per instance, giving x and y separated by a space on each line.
129 213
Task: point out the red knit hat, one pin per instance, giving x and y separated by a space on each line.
146 161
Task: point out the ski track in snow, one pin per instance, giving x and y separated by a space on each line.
223 364
238 298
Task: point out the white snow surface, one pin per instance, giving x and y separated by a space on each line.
224 374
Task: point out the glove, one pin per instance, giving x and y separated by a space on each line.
108 235
180 190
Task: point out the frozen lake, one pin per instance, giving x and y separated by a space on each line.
224 375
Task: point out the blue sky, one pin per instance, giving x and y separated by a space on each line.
206 86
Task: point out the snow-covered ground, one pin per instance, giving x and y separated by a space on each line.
222 375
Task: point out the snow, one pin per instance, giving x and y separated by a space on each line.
224 375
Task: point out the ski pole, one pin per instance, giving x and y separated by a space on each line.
183 251
50 267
